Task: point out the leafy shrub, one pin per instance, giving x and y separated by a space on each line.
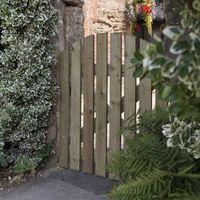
185 135
26 86
150 170
178 78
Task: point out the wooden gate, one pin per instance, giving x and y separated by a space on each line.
98 92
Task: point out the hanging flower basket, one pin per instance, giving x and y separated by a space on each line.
142 9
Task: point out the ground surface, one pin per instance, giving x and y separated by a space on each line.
60 184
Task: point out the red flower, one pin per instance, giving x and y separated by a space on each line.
147 9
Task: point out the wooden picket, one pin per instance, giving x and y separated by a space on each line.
64 108
130 81
88 93
75 119
115 93
101 104
97 90
145 91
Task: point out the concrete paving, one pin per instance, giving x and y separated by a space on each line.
59 184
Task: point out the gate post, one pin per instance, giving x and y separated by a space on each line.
63 140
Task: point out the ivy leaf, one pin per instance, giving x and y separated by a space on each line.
158 63
147 62
175 108
160 47
137 60
179 47
171 32
166 92
138 72
151 50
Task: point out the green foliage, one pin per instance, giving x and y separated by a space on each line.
26 86
150 170
184 135
3 162
150 122
177 78
25 163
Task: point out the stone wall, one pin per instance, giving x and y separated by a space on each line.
81 18
104 16
85 17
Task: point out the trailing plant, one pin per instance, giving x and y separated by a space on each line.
145 9
177 78
150 170
26 85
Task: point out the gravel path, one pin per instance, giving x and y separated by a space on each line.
61 184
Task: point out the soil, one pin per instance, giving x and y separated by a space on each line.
9 179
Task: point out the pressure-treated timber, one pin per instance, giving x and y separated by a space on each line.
101 104
75 119
130 81
64 109
115 92
88 91
82 78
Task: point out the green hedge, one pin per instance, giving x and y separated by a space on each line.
26 85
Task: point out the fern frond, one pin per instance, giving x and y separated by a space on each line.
141 155
152 171
149 122
182 195
143 187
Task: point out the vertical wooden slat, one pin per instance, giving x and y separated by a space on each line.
160 103
101 104
115 92
88 89
64 109
145 93
130 81
75 119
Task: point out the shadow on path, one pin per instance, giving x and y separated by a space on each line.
59 184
